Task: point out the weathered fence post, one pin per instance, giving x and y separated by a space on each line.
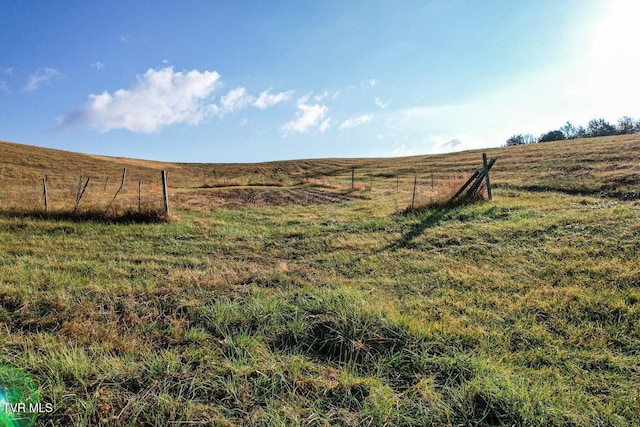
353 177
415 183
44 194
124 175
105 183
139 191
432 183
486 175
397 182
478 178
164 193
79 186
80 194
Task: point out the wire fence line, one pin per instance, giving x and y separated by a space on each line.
137 190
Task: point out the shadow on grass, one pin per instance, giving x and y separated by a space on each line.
430 216
608 191
126 217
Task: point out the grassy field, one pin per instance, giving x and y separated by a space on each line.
276 295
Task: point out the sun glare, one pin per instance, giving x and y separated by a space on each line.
614 60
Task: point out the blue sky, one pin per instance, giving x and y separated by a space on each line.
247 81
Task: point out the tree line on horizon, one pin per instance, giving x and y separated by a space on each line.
596 127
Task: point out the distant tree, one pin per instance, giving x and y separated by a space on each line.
554 135
515 140
626 126
520 139
569 130
596 127
600 127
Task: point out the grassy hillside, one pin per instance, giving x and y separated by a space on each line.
593 165
317 305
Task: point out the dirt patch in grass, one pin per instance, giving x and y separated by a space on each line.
248 197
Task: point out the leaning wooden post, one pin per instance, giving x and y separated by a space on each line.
44 194
415 183
164 193
79 186
106 179
80 194
486 174
124 175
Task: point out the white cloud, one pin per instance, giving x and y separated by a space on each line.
309 117
448 144
266 99
381 104
326 124
401 150
98 65
236 99
320 97
159 98
356 121
373 82
45 75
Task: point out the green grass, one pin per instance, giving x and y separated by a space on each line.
521 311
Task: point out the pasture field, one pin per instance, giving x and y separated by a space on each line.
277 295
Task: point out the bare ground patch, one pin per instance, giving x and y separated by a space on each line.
235 198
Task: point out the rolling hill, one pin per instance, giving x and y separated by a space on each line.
279 295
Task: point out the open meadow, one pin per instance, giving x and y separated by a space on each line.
282 293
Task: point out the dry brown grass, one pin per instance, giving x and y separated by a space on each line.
447 187
607 165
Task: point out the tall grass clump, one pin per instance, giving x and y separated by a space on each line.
442 195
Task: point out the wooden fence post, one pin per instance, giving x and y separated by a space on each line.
81 193
397 182
79 186
486 174
164 193
139 191
415 183
353 177
432 183
124 175
44 194
478 178
105 183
